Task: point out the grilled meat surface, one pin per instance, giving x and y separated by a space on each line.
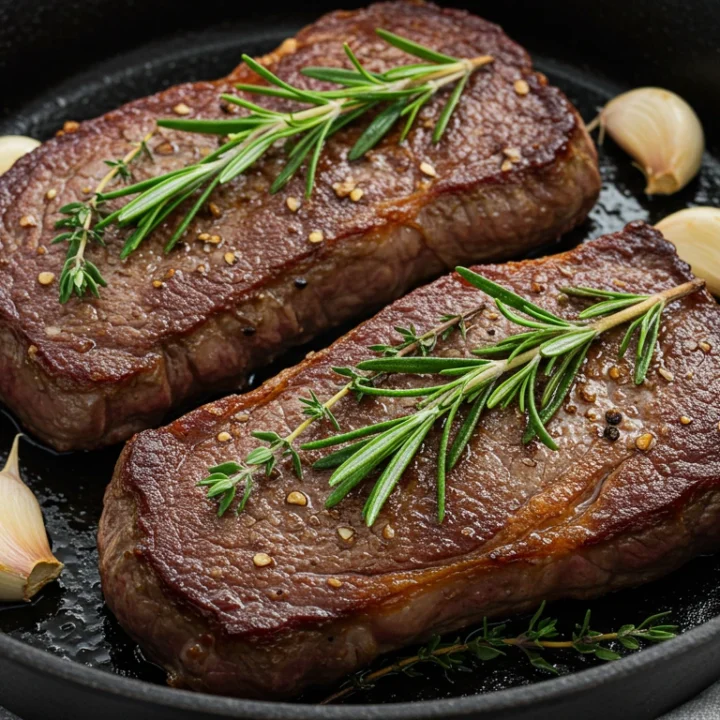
524 523
92 372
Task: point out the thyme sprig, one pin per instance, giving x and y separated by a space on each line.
552 347
226 479
83 225
304 131
491 641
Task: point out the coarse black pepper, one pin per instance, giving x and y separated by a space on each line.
249 330
611 433
613 417
300 283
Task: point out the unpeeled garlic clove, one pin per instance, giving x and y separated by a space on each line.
13 147
26 562
695 233
661 132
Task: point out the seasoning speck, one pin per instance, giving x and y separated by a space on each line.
204 237
215 239
300 283
224 436
71 126
51 194
214 210
645 441
506 166
316 236
296 498
334 583
613 417
705 346
344 188
388 532
614 372
230 258
666 374
685 420
249 330
611 433
157 283
45 278
346 533
356 195
41 250
262 560
182 109
293 204
512 154
428 169
28 221
521 87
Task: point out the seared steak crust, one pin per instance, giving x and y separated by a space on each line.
523 523
94 371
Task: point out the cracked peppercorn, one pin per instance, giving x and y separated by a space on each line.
611 433
613 417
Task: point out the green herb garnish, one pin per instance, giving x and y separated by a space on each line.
498 375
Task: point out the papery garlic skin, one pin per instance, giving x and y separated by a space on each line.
661 132
13 147
26 562
695 233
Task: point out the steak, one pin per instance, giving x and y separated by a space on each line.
169 328
523 524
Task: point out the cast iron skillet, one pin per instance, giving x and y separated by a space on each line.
64 656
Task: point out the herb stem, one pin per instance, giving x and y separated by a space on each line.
485 646
93 203
456 649
500 367
407 350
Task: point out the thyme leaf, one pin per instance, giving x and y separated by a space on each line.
492 641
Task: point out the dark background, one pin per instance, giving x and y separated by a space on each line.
42 42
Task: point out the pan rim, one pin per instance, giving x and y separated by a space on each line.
541 692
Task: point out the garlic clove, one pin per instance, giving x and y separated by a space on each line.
13 147
695 233
26 562
661 132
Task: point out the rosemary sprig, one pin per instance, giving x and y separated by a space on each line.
79 275
491 641
224 480
406 88
552 347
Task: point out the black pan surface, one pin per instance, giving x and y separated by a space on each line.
69 620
